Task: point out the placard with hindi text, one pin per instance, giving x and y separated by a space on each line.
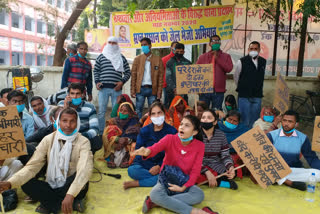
316 135
281 97
12 142
261 158
194 79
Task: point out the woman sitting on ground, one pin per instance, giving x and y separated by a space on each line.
176 189
178 109
233 129
120 99
118 134
201 107
145 172
217 159
268 120
228 104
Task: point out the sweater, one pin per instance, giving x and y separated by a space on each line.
216 153
105 73
171 71
223 65
187 158
165 59
291 147
232 134
146 138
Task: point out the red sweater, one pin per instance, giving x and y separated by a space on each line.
187 158
223 65
165 59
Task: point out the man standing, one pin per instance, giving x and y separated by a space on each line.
89 126
40 112
165 59
78 69
18 99
3 96
178 59
146 76
70 165
222 65
290 143
111 72
249 77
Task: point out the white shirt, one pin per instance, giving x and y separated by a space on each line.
238 69
2 105
147 72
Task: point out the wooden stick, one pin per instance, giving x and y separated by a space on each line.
1 202
195 104
223 174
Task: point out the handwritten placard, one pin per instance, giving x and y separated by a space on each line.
316 135
261 158
194 79
281 97
12 143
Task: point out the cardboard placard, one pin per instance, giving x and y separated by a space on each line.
316 135
12 142
194 79
281 97
261 157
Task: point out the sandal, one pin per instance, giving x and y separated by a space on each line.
111 165
78 205
41 209
124 164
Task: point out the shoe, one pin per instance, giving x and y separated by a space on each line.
209 210
28 199
147 205
41 209
78 205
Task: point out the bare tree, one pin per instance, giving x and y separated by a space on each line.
61 37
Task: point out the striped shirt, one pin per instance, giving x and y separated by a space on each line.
79 70
216 153
89 126
105 73
54 99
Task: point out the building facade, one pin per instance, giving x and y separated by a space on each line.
28 30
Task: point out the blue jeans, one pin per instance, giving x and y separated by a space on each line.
216 99
140 98
137 172
104 95
249 109
180 203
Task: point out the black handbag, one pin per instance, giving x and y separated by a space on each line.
10 200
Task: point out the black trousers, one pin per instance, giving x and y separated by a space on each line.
49 198
96 143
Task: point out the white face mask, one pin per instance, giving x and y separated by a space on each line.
157 120
253 53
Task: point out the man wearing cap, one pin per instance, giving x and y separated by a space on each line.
111 72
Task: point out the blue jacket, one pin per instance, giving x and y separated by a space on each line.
232 134
147 137
291 147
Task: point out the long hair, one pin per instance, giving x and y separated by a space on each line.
196 126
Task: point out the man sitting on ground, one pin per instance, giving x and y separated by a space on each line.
70 165
40 112
3 97
89 126
290 143
18 99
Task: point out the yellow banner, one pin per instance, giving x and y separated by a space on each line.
194 25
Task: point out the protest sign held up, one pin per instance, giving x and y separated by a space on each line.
261 158
316 135
194 79
12 142
281 97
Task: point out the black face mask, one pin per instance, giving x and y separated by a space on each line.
207 126
178 56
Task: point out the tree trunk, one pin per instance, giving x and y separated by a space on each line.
95 23
302 47
58 55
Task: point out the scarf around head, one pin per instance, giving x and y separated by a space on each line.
113 53
176 100
58 165
37 118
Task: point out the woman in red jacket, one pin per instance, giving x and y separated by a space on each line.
176 189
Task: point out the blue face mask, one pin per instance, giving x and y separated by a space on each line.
288 132
67 134
44 110
269 118
145 49
70 54
55 124
229 125
76 101
20 108
186 139
79 55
